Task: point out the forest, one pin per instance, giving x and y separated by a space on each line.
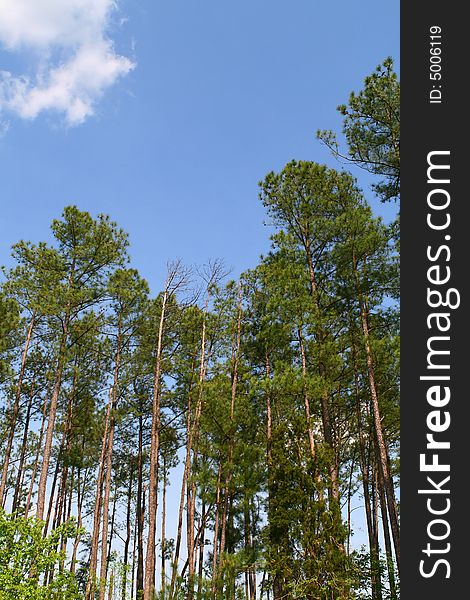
216 439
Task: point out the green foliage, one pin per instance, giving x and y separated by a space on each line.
26 557
361 561
9 324
371 127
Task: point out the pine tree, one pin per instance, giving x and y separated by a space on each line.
371 127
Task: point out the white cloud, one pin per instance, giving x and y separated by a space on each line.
74 58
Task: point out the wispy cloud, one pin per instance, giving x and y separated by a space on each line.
74 60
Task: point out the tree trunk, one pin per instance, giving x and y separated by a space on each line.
201 542
14 416
388 543
190 525
68 512
149 584
109 462
111 586
76 543
51 421
176 556
193 443
66 443
107 494
53 487
90 588
134 557
382 451
24 443
128 535
351 472
163 548
277 585
253 547
140 515
112 529
197 537
223 531
375 529
364 462
269 420
36 460
186 471
61 498
381 446
248 548
216 529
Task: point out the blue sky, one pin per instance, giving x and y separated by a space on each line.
199 101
